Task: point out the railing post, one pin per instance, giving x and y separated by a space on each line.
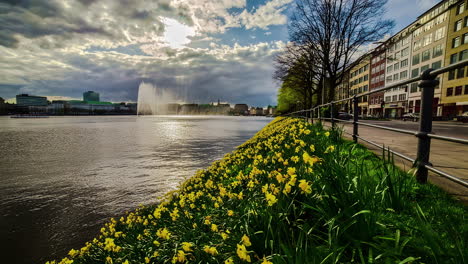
331 115
427 85
355 119
318 112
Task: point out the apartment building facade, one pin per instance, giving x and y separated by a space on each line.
342 91
429 47
377 80
359 82
438 38
455 89
397 69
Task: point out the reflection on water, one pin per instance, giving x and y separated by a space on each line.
61 178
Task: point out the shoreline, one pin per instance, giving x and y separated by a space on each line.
230 211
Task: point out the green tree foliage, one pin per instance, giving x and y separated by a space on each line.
288 98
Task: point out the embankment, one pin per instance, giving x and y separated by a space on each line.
294 193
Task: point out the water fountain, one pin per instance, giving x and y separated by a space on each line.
155 101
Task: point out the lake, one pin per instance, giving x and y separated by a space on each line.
62 178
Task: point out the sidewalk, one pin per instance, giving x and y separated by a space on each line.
447 156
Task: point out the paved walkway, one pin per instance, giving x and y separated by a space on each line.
446 156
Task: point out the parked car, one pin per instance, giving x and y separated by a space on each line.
463 117
410 116
344 116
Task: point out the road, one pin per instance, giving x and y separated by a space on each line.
446 156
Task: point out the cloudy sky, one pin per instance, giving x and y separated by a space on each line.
203 50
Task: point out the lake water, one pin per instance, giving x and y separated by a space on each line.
62 178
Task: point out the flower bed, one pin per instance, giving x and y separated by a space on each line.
294 193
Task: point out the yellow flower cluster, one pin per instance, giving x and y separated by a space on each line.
202 219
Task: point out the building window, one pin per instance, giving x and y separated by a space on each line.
396 66
427 40
466 21
401 97
460 8
465 38
414 87
394 98
437 51
425 67
416 59
389 79
390 68
366 87
464 55
404 52
451 75
388 98
458 90
439 34
436 65
417 45
458 25
425 55
456 42
395 77
466 89
453 58
460 72
404 63
403 75
366 77
449 91
414 73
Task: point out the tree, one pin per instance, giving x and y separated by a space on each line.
335 30
287 99
295 68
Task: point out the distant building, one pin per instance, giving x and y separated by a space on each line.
173 109
25 100
189 109
223 109
253 111
259 111
241 109
91 96
271 110
2 106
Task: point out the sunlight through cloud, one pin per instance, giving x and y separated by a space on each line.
176 34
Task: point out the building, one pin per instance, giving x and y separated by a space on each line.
241 109
91 96
398 55
428 51
189 109
454 94
25 100
377 79
259 111
270 111
342 91
2 106
359 82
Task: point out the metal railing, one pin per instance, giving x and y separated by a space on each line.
427 83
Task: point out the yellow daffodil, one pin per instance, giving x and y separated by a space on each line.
305 186
242 253
246 241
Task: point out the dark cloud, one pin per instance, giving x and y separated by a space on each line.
84 21
32 20
111 46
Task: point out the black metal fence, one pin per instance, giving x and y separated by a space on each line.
427 82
